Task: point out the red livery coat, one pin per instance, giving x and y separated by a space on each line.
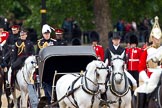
99 52
133 56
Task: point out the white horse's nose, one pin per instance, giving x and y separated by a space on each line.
102 88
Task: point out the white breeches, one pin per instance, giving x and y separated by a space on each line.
150 85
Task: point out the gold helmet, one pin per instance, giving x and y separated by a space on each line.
156 31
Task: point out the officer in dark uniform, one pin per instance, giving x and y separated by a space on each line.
10 42
46 40
7 51
43 43
23 49
115 48
59 37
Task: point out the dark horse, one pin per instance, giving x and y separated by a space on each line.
3 86
154 99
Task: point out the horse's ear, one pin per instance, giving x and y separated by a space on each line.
112 55
122 55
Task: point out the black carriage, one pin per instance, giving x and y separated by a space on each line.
54 61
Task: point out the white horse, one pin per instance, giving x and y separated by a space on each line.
23 79
83 91
118 91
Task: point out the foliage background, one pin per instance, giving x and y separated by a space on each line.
81 10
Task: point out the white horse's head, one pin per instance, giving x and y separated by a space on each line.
97 72
30 64
117 65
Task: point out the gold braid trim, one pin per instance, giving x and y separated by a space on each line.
39 45
45 44
20 47
42 46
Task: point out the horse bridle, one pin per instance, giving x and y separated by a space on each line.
86 89
121 74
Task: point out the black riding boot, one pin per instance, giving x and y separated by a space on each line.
141 100
13 77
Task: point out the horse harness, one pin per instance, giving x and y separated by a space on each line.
71 89
112 85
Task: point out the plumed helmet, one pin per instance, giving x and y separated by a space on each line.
46 29
59 31
156 31
94 36
133 39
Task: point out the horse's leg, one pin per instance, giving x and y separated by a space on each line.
23 99
14 98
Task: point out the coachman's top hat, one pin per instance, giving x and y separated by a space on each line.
116 35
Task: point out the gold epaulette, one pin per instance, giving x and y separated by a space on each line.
42 46
39 45
20 47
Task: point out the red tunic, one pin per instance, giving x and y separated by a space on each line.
4 36
99 52
143 63
134 55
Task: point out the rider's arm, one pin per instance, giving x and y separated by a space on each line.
142 66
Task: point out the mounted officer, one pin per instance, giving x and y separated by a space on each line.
46 40
9 45
43 43
150 66
23 48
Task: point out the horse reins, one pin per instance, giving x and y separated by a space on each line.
86 89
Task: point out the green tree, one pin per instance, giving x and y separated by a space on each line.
100 15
